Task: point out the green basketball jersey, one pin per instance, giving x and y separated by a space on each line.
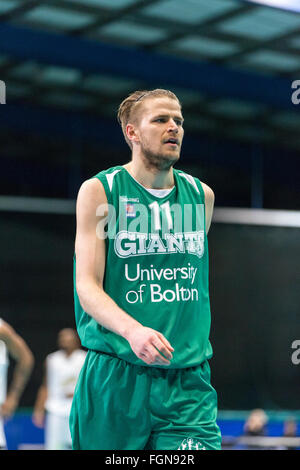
156 267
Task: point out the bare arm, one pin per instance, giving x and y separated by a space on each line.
39 406
19 350
90 266
209 205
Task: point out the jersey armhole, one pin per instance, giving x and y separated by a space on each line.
103 180
200 187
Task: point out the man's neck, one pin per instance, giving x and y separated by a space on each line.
68 352
151 178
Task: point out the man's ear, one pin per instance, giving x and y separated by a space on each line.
131 133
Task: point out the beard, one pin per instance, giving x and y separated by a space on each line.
158 161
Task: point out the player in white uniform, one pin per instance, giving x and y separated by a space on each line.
54 399
12 344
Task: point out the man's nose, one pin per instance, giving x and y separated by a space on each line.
172 126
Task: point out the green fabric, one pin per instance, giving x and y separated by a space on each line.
120 406
164 286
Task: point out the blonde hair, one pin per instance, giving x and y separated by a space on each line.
129 106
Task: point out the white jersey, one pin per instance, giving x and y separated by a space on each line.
62 375
3 369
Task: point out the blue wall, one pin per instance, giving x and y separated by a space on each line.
20 430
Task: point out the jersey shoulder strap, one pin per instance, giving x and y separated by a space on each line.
107 178
194 182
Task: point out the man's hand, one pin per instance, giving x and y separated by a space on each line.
38 418
9 406
150 346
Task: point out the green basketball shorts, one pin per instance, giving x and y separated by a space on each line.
121 406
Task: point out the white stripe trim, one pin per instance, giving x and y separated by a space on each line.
227 215
110 178
37 204
191 180
277 218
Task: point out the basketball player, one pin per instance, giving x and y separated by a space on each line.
12 344
141 293
56 392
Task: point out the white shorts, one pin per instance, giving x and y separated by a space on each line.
2 434
57 432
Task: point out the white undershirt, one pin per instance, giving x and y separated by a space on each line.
159 192
155 192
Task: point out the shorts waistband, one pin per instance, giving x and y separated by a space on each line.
147 367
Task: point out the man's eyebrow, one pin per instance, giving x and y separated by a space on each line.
168 115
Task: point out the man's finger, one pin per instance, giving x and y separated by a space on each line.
157 356
164 346
165 341
162 350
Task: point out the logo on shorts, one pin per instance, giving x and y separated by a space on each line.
191 444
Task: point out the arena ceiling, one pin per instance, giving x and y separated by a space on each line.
231 62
